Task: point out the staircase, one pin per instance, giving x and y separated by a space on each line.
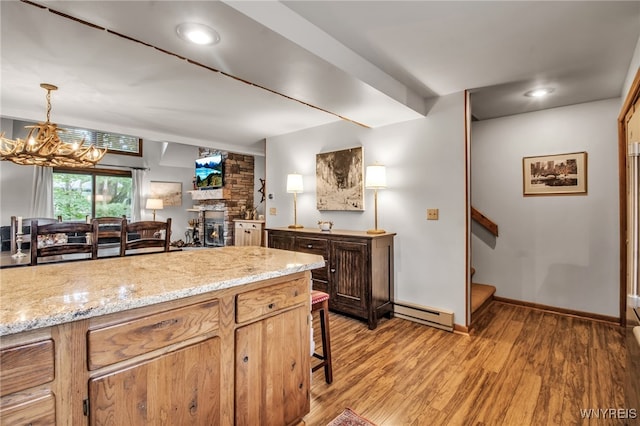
481 294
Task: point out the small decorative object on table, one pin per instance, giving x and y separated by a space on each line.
19 234
325 225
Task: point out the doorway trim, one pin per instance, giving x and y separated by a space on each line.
630 100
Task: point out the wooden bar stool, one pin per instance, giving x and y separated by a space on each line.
320 302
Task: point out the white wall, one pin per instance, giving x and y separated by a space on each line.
425 162
560 251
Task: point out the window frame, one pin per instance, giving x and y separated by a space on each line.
93 172
109 151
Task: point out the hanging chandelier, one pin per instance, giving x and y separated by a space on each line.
43 146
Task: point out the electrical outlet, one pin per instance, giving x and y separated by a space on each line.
272 211
432 214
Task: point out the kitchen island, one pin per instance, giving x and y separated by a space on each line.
203 337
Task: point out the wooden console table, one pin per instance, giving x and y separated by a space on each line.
358 272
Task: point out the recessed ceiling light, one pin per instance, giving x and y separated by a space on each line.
538 93
197 33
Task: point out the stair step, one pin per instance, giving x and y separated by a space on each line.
480 294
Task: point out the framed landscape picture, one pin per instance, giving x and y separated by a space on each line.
559 174
340 180
169 192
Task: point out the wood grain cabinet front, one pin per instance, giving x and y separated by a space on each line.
272 377
178 388
138 336
237 355
24 370
358 275
248 232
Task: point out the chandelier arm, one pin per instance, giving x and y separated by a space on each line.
43 146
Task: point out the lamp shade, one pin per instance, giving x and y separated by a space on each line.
154 204
294 183
376 177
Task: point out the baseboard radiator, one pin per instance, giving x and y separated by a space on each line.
434 317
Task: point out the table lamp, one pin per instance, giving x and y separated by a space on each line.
154 204
376 178
294 185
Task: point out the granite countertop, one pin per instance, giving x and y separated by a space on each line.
49 294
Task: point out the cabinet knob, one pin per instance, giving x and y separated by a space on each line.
333 269
245 359
309 245
270 306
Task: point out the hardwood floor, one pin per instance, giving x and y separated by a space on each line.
518 366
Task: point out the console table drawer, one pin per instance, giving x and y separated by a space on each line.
257 303
135 337
23 367
312 245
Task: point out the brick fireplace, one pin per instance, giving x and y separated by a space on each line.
237 192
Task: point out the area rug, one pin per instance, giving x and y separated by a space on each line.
349 418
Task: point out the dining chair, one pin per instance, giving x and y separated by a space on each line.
63 238
109 230
26 230
144 234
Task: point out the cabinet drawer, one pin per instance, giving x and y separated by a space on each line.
26 366
256 303
240 225
135 337
315 246
312 245
39 411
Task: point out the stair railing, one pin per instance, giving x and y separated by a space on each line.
487 223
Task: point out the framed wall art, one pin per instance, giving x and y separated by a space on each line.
169 192
559 174
340 180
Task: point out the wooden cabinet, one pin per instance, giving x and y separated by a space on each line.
238 355
272 370
359 268
24 370
248 232
272 355
177 388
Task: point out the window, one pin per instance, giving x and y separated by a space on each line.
94 193
115 143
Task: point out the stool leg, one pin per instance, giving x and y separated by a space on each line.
326 341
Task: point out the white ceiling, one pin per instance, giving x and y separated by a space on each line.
286 66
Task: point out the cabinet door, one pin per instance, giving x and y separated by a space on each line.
272 378
280 241
248 234
178 388
348 281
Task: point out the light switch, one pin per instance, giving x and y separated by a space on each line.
272 211
432 214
